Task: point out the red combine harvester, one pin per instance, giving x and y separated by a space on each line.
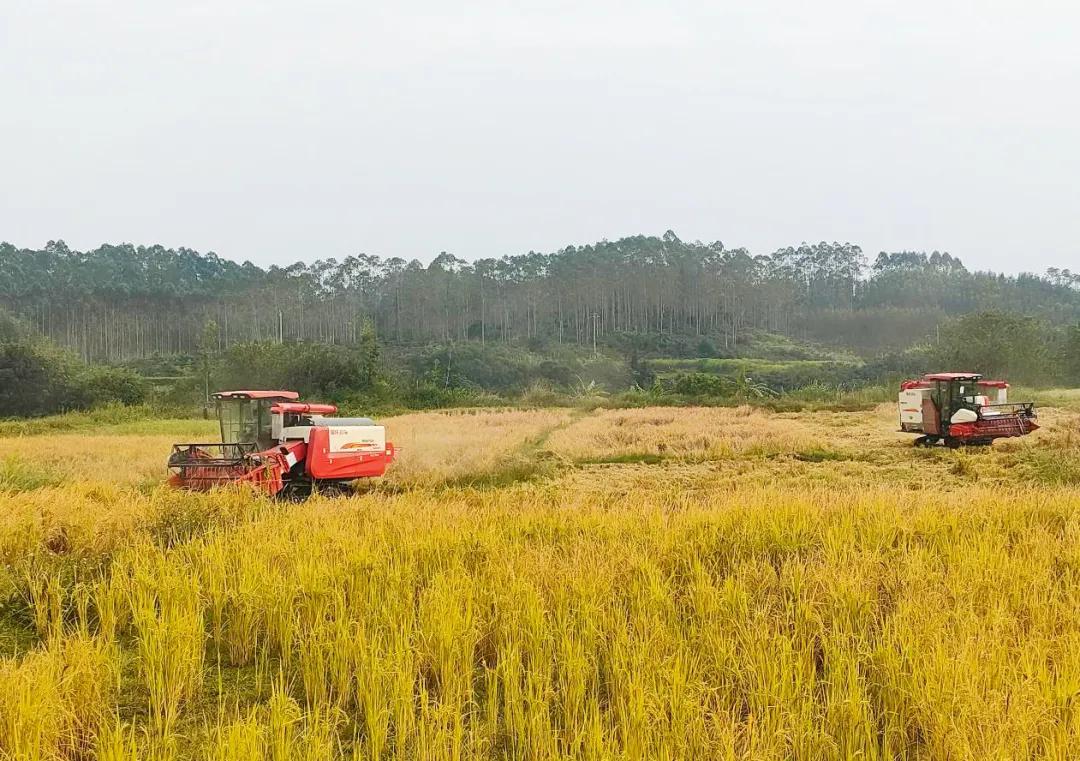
283 447
962 409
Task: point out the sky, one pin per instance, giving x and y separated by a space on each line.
282 131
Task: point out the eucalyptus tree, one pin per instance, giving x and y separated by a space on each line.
122 301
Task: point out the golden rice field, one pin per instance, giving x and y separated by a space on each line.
653 583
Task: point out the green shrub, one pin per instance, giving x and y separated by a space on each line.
778 375
38 378
700 384
669 345
435 397
102 385
1070 355
505 369
773 346
312 369
1001 344
557 372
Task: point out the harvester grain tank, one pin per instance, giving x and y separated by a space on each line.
277 444
962 409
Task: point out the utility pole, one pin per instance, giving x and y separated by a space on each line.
280 328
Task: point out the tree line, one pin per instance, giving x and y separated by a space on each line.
119 302
37 377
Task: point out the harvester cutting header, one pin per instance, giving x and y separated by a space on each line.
279 445
962 409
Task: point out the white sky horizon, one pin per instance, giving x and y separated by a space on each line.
277 132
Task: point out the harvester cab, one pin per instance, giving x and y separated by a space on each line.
277 444
962 409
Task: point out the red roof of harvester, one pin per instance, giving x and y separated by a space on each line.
952 376
257 394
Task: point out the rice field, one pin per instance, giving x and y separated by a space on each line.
552 584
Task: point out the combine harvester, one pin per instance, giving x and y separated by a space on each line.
962 409
283 447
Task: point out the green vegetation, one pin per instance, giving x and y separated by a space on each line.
309 368
1049 467
1014 346
37 378
778 375
685 298
652 320
17 475
381 380
112 419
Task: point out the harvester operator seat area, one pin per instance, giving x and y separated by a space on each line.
244 421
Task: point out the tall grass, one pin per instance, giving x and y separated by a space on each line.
17 474
533 623
118 419
53 701
699 607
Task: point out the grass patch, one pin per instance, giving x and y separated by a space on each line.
16 475
1062 398
509 471
821 454
1055 467
17 634
627 458
779 347
114 419
777 374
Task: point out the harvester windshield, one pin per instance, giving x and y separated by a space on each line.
245 421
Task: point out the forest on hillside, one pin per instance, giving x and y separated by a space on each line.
124 302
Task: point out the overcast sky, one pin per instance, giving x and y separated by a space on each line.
276 131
